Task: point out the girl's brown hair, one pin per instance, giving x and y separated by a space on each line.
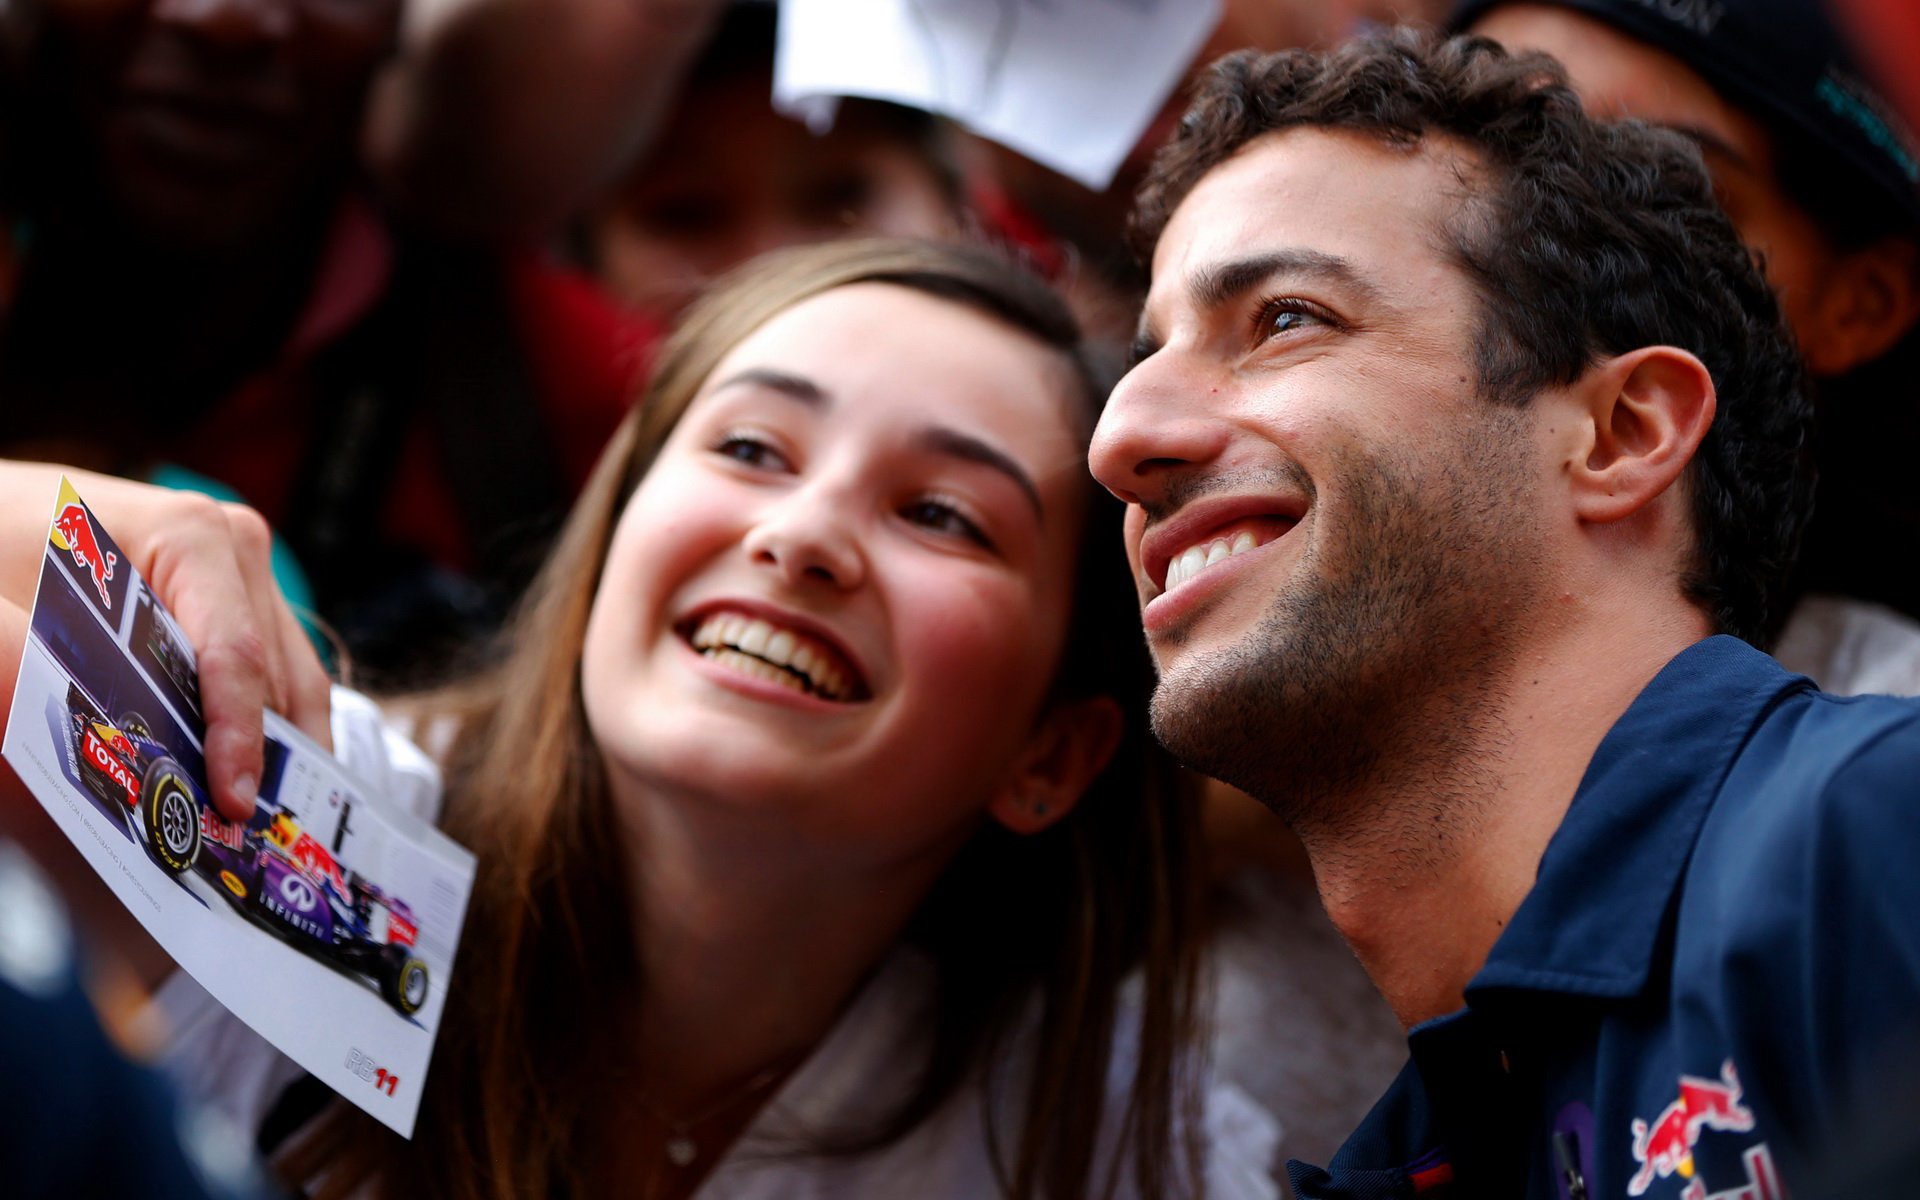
548 978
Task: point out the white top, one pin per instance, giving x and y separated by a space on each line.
860 1067
1851 647
866 1061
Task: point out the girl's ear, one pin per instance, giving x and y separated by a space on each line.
1061 759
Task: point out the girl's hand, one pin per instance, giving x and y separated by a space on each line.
208 562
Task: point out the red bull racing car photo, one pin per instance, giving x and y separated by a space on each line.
120 762
269 869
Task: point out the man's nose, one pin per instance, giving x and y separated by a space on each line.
1161 420
233 24
808 538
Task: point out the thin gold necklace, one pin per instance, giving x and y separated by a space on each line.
681 1149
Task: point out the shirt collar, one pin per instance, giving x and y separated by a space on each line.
1594 917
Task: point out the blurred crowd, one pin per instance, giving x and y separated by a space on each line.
392 275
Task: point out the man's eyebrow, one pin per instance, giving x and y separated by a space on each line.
1222 283
794 387
939 439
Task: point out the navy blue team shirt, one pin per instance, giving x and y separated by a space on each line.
1712 991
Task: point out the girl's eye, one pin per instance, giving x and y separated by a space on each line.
751 450
1284 314
944 518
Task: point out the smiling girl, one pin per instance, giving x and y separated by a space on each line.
822 849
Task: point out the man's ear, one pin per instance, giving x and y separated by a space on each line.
1645 413
1065 753
1871 298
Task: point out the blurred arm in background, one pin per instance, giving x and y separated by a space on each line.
502 118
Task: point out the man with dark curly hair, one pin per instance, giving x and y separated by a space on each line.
1821 178
1462 432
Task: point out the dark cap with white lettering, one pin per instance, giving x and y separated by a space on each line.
1786 63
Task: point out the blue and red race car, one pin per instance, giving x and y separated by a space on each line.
122 763
268 869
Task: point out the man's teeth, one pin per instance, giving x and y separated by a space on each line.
1195 559
767 652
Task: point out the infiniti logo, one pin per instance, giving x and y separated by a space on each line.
296 892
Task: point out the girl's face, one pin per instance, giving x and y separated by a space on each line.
838 598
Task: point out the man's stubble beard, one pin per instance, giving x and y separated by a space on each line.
1379 675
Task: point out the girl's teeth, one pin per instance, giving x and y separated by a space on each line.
749 665
757 648
780 648
806 661
754 639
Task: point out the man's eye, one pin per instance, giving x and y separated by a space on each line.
942 517
1286 314
752 451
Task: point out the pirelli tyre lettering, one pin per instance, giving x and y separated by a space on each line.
170 816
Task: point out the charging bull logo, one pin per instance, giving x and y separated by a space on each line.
1762 1182
77 530
1665 1147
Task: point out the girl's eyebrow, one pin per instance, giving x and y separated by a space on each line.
939 439
791 386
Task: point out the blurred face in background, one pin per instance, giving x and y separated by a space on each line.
201 124
730 179
1835 299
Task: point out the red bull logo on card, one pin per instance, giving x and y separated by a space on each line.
1664 1146
220 831
76 529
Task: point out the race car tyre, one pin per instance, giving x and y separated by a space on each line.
171 816
133 722
403 981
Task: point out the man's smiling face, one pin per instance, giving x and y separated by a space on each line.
1326 518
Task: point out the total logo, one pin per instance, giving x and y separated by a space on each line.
1664 1147
105 760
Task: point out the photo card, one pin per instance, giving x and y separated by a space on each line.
327 922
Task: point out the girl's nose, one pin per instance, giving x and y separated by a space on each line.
808 540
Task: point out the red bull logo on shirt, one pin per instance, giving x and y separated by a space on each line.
1664 1147
1762 1183
76 528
